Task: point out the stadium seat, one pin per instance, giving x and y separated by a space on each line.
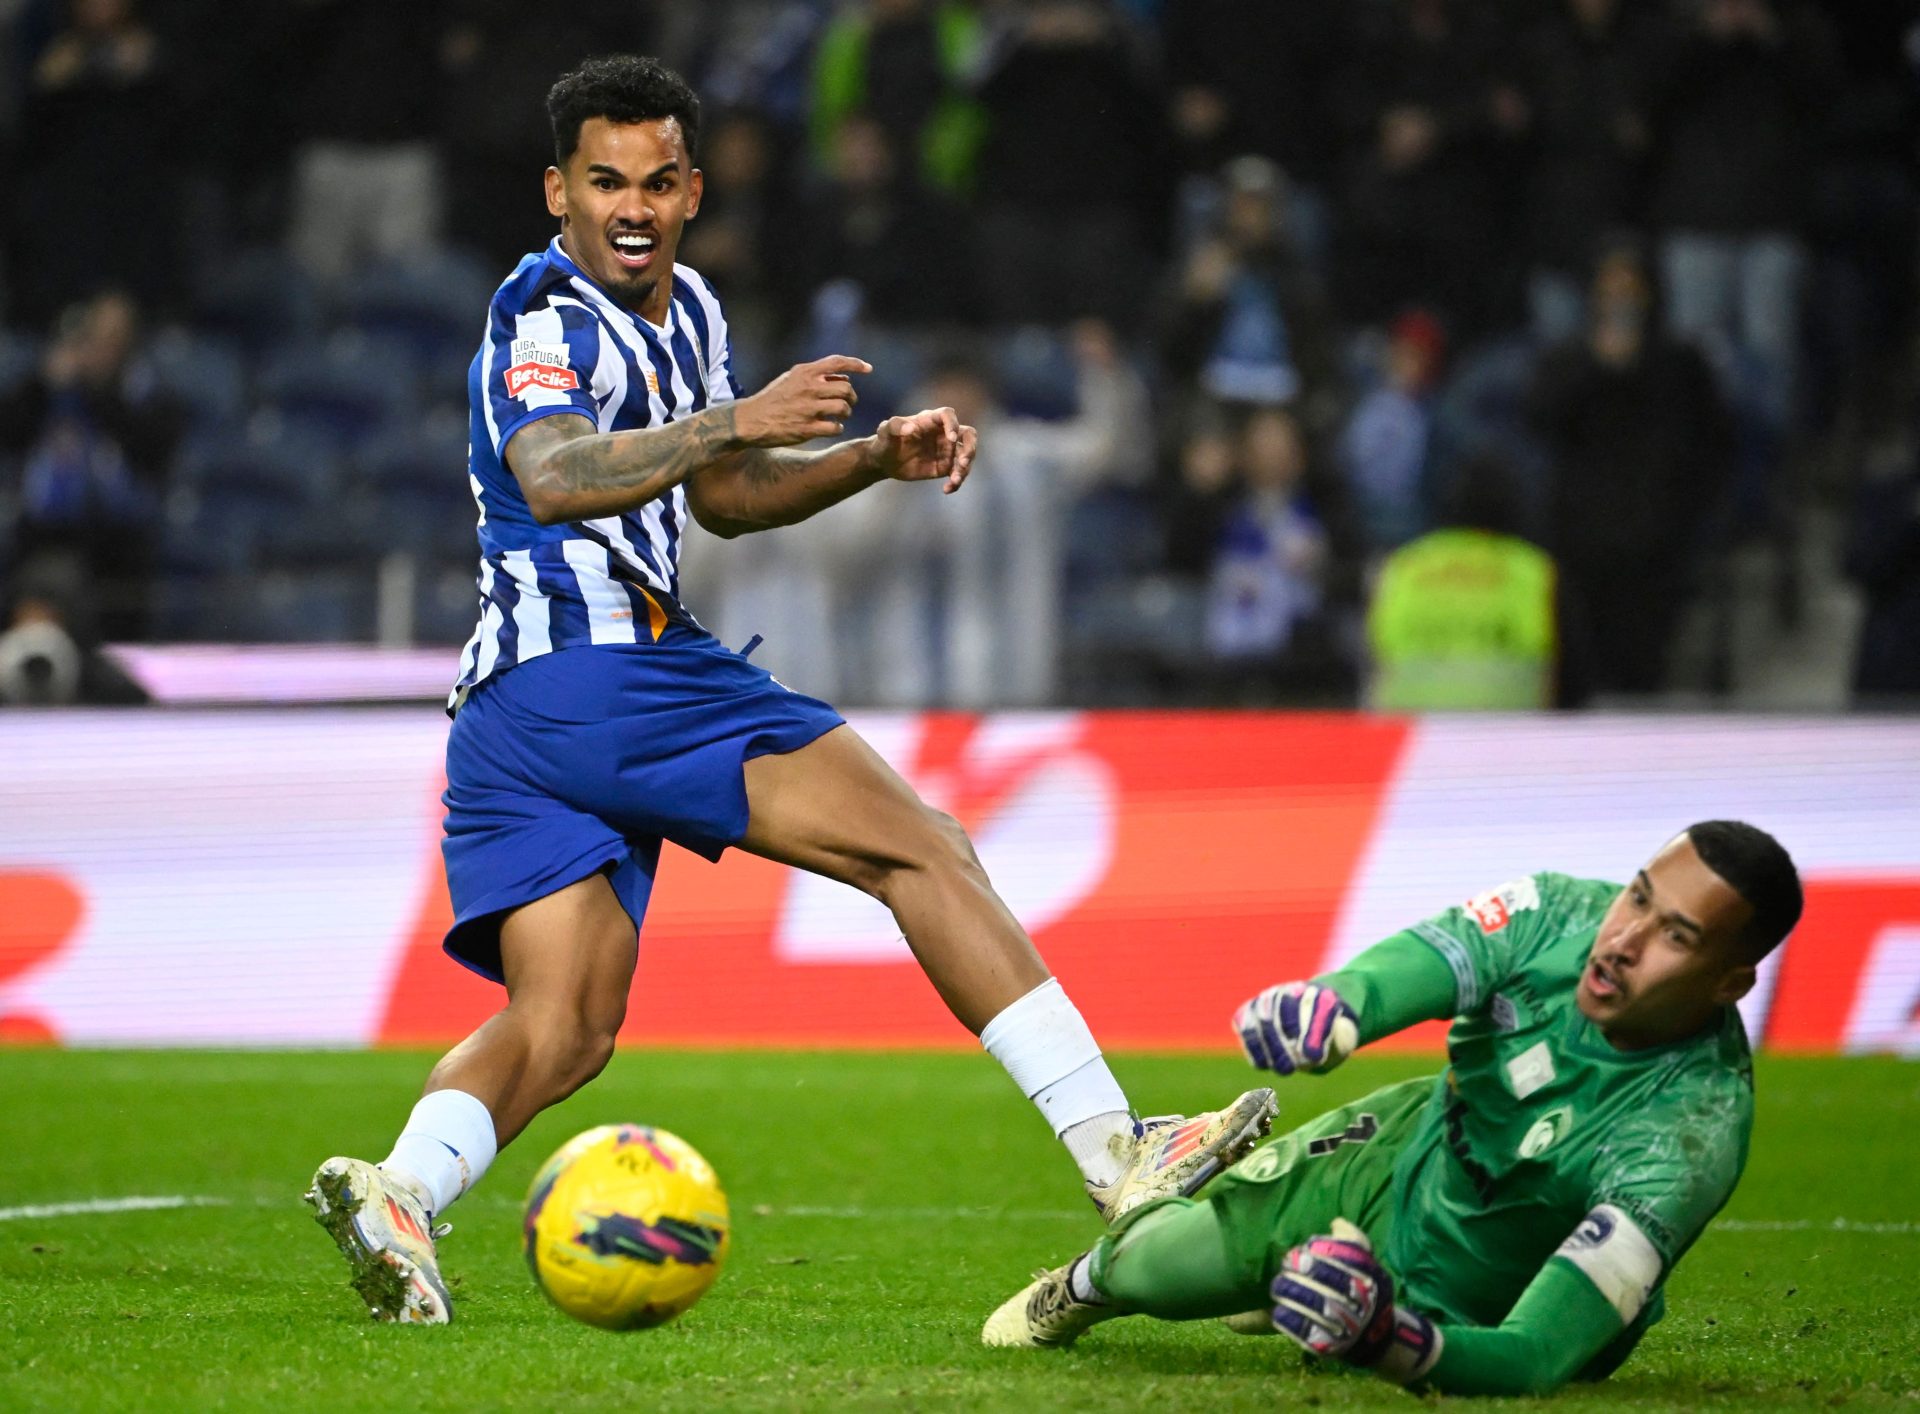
428 306
204 373
261 298
1034 371
446 601
347 388
19 356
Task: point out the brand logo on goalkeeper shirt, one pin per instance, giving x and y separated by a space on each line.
537 365
1545 1133
1495 908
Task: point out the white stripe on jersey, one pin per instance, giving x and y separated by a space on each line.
530 609
623 324
609 610
718 390
490 621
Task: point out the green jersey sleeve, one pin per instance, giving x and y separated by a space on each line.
1452 963
1673 1165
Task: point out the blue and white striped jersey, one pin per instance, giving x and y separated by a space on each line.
557 343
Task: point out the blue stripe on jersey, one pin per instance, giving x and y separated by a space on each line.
566 614
556 343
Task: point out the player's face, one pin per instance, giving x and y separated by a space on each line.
622 200
1668 953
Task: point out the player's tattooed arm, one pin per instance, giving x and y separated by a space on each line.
569 470
760 489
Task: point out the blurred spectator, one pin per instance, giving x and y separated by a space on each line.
1883 557
48 655
96 102
1738 121
1075 126
367 177
936 599
1250 76
904 248
1432 124
98 443
1001 538
904 64
739 240
1249 317
1204 490
1384 447
1585 70
1640 442
492 120
1467 617
754 54
1272 556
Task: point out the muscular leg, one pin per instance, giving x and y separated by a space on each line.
568 960
834 807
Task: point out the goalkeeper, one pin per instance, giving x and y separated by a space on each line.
1507 1225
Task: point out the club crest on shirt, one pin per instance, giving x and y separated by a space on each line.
1495 908
1545 1133
533 364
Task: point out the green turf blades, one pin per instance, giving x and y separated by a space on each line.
868 1254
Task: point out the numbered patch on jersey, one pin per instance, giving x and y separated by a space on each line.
1495 908
1616 1256
539 367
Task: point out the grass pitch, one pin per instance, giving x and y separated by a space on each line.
883 1205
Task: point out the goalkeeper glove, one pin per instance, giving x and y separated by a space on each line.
1334 1299
1297 1026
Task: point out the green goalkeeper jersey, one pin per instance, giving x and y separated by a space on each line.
1542 1144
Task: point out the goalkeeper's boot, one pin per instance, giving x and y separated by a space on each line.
1173 1157
387 1238
1042 1314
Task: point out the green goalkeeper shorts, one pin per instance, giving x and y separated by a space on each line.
1217 1254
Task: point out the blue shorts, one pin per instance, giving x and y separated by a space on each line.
581 761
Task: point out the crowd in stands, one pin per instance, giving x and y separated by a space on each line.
1280 321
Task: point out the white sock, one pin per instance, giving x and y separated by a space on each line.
1080 1282
445 1148
1044 1044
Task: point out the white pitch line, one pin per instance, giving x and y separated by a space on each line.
108 1205
1809 1225
162 1202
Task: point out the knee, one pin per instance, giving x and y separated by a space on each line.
569 1050
937 847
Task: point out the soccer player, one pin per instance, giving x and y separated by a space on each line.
1507 1225
594 717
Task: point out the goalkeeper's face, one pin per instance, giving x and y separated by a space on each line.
1668 954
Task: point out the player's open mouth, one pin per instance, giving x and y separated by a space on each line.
632 249
1600 982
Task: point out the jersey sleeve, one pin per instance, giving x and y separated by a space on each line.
1673 1166
1558 1329
1483 940
540 362
716 342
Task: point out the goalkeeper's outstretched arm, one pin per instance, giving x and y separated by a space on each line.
1334 1298
1315 1025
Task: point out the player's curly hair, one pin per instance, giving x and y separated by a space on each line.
622 88
1758 868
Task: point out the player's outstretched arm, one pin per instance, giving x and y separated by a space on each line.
569 470
1315 1025
762 489
1334 1298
